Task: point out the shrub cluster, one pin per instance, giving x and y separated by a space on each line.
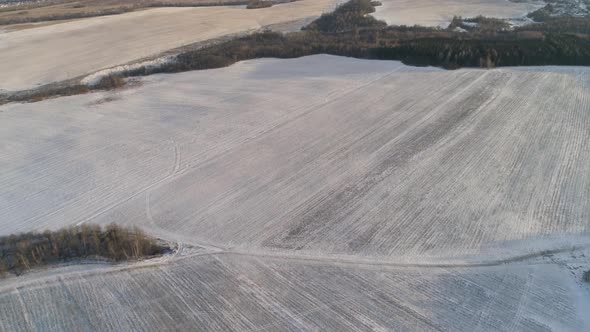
22 252
255 4
542 14
348 16
109 82
69 89
480 24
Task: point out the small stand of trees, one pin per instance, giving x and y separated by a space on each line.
586 276
480 24
255 4
542 14
348 16
22 252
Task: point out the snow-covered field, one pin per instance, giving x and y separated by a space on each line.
225 292
318 154
329 190
441 12
57 52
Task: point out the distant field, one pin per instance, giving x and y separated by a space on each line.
294 154
29 12
440 13
57 52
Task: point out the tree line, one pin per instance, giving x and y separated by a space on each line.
23 252
350 31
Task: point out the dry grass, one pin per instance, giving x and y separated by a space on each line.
61 10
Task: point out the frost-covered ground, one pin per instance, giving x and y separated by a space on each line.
226 292
332 193
62 51
441 12
294 154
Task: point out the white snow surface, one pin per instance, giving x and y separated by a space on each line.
319 154
227 292
440 12
326 193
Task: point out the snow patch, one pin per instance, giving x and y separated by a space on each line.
95 78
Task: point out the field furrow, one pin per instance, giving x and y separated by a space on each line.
237 293
359 158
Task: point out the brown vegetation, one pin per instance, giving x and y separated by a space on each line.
110 82
255 4
480 24
346 17
64 10
22 252
68 88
